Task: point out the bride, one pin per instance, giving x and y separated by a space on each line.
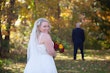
40 50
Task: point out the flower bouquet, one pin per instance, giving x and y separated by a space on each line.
58 47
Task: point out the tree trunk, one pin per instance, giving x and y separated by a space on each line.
9 21
6 41
59 11
0 29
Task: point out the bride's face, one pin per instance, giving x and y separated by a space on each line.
44 27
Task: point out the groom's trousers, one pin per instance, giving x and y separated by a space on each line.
80 46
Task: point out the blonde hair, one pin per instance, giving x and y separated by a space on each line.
39 22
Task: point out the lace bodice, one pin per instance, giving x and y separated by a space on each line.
41 49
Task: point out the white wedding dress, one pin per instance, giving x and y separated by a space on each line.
40 61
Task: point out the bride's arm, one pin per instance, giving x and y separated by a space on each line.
49 44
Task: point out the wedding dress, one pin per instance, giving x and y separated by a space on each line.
40 62
38 59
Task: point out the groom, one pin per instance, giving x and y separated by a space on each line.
78 38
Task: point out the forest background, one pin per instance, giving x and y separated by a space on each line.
17 18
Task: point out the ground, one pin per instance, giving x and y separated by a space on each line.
96 61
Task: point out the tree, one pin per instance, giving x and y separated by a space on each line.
0 25
102 19
7 15
98 13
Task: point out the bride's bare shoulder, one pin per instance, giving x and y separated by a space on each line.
45 35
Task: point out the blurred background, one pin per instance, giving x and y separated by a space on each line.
17 18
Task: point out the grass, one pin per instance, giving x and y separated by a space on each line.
97 61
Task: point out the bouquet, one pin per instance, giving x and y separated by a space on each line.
58 47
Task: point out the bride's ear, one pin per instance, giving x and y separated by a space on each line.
38 27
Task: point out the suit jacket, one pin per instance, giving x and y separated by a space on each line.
78 35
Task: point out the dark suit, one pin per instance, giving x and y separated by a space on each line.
78 38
